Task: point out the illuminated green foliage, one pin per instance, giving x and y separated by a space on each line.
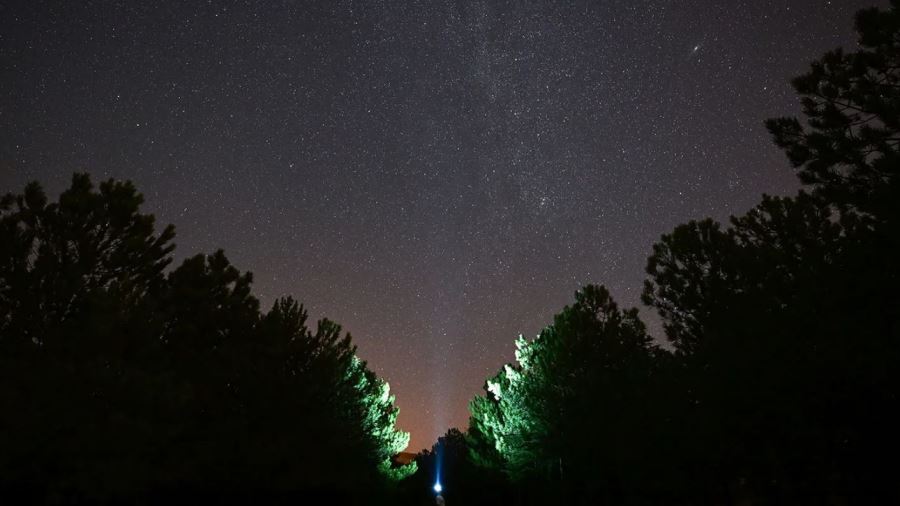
544 415
379 418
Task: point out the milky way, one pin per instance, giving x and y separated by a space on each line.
436 176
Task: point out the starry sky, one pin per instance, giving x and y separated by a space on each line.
436 176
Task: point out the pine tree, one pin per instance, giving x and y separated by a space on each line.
120 381
850 150
565 410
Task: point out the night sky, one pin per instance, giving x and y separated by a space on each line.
436 176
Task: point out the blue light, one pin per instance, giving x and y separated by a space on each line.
438 488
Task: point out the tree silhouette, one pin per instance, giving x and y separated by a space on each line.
120 381
785 322
62 262
850 152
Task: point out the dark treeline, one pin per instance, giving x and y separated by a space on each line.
124 381
779 381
